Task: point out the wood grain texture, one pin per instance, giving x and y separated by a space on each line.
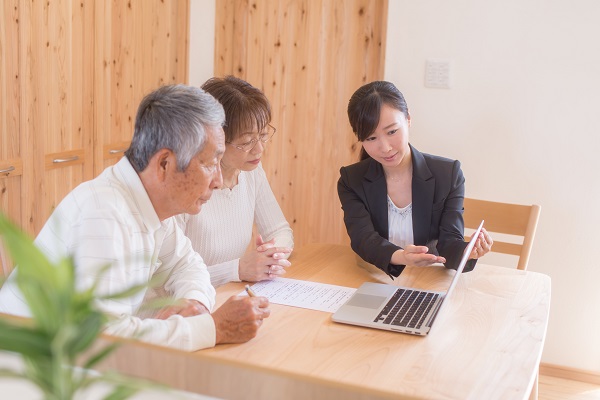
486 344
139 46
10 107
553 388
9 81
61 81
569 373
72 73
503 220
308 57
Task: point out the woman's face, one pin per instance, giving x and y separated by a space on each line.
237 158
389 143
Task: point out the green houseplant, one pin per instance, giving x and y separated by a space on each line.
63 328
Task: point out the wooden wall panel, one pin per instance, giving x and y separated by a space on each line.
308 56
9 81
64 54
29 109
72 73
139 47
11 169
46 106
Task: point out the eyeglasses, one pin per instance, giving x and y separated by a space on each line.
264 137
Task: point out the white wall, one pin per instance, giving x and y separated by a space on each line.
523 116
202 41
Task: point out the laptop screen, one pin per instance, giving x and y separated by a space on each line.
465 257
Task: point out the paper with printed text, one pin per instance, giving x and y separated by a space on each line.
303 294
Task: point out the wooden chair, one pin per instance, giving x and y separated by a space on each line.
505 218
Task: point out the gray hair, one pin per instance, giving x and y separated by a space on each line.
173 117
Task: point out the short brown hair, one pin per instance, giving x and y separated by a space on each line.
245 105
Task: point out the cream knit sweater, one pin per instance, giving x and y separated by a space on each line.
222 231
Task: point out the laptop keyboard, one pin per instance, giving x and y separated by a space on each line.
407 308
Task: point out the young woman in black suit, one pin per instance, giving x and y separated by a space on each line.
401 206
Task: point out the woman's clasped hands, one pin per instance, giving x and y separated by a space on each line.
264 262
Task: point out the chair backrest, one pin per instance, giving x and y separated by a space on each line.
505 218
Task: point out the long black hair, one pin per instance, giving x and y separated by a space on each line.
364 108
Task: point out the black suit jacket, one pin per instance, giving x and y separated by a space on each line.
438 188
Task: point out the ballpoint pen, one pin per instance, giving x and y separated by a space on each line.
249 291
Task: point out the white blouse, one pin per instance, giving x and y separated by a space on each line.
400 224
222 231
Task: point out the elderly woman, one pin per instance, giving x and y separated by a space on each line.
222 233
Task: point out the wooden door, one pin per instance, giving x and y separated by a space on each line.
140 45
308 56
71 76
57 97
11 157
47 106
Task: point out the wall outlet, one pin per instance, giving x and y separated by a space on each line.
437 74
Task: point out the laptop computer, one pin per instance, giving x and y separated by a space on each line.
396 308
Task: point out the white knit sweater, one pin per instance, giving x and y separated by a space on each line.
222 231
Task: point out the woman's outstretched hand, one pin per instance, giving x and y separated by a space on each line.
415 255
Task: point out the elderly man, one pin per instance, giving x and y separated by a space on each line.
123 218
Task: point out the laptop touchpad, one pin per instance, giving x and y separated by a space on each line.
366 300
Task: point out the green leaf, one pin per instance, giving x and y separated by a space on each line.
24 340
35 274
40 300
89 329
8 373
22 249
100 355
64 289
65 322
121 392
41 373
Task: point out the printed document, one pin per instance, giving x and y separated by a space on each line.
304 294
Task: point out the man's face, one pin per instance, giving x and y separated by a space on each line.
191 188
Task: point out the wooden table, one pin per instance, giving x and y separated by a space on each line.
486 344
